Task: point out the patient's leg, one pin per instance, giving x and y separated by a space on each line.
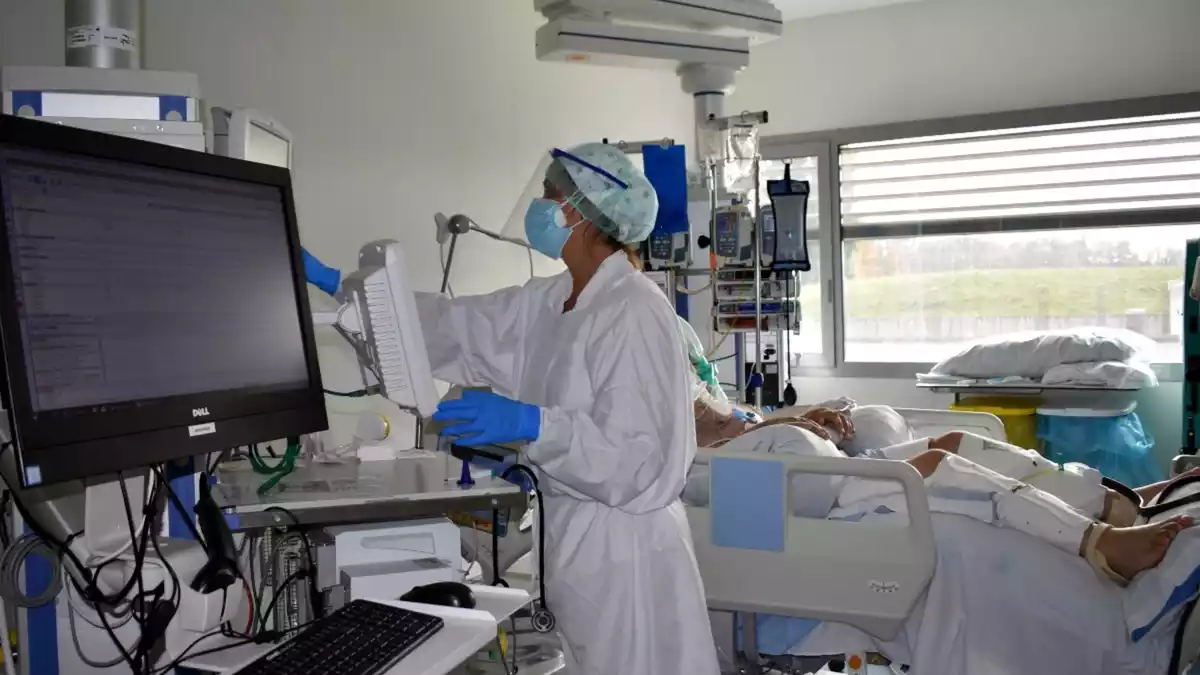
1017 505
1076 484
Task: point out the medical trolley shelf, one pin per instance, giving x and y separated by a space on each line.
369 492
1022 389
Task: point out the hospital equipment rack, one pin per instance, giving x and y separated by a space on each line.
764 321
369 492
418 485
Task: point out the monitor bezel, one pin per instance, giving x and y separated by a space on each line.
97 441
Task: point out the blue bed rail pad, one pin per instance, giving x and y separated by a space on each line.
747 504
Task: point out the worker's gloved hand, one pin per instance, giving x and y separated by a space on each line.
484 418
319 274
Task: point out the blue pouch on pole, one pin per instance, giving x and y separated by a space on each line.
666 169
1117 446
789 212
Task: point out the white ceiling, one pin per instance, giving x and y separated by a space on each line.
803 9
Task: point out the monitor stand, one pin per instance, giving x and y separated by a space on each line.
107 515
65 510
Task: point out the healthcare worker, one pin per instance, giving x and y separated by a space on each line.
588 368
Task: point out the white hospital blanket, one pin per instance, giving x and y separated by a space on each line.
1003 603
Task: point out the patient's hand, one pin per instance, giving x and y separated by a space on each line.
837 421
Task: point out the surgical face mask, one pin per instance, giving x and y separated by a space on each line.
546 227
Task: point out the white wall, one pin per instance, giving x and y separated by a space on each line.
400 109
942 58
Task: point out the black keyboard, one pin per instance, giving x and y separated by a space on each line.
362 638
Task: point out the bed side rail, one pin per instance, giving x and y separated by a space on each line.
937 422
755 556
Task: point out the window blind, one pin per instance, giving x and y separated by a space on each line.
1141 167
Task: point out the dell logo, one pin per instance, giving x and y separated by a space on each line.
199 412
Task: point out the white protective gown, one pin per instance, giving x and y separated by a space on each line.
617 439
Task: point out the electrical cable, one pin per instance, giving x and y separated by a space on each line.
71 611
250 603
512 622
125 616
714 348
314 593
496 580
442 258
278 472
5 536
140 651
102 559
291 578
500 650
13 560
124 653
62 547
543 620
357 393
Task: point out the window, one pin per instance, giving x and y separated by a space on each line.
919 299
949 239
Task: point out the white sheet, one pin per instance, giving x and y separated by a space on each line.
1002 603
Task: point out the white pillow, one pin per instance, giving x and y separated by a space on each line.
876 427
1107 374
1033 354
1158 595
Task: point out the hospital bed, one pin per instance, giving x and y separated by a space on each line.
864 580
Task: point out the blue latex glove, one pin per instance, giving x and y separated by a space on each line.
320 275
746 416
484 418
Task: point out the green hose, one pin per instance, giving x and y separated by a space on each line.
276 473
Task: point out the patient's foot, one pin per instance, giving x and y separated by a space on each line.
1130 550
1119 511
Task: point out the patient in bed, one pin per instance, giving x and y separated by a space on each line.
965 474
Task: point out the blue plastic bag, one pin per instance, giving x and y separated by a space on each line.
1118 447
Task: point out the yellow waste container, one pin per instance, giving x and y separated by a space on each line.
1019 416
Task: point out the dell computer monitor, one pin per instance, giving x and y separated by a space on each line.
152 303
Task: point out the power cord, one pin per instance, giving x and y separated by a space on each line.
63 548
543 619
357 393
290 579
314 593
13 561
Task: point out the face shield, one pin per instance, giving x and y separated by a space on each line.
595 183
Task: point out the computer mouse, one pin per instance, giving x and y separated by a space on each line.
444 593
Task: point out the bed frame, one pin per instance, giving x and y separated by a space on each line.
865 575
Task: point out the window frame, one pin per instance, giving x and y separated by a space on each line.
826 145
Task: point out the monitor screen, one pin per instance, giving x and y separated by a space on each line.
146 298
264 146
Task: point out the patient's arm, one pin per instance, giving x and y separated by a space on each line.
1148 492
